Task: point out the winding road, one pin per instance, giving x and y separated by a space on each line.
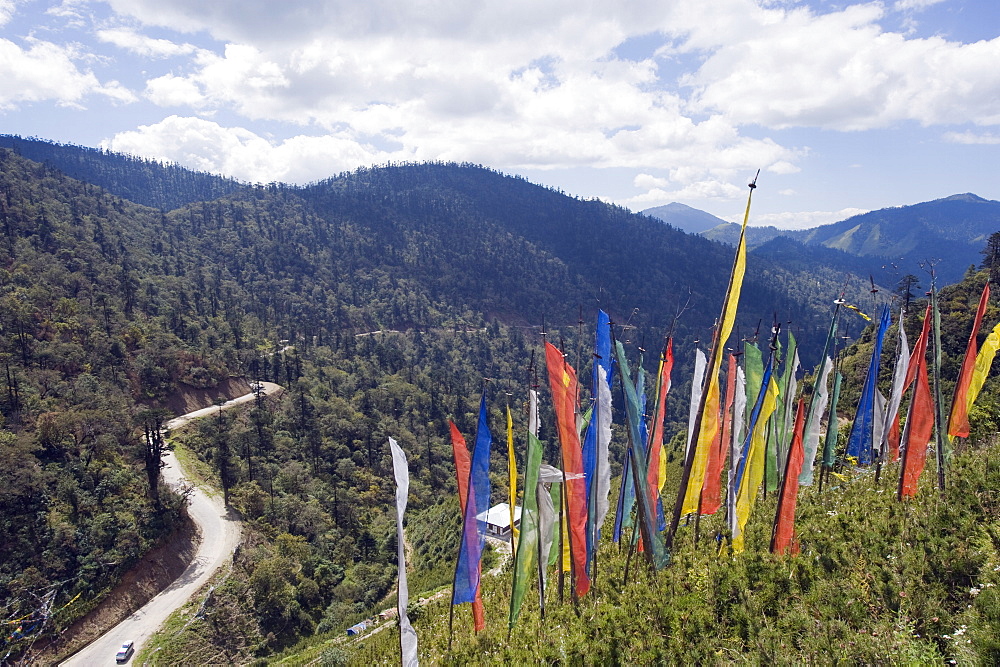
219 530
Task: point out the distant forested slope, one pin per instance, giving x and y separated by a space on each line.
140 180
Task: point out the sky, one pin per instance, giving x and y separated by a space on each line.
844 107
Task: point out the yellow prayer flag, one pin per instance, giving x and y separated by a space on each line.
710 416
754 474
512 471
984 361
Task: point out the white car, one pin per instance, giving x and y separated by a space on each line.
125 652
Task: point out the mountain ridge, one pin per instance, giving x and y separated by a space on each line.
948 232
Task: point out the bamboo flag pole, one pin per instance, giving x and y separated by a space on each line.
717 347
939 422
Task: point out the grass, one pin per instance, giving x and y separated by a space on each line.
197 471
877 581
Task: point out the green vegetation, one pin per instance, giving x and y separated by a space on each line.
877 581
379 300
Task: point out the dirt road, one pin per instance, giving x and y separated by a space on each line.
219 531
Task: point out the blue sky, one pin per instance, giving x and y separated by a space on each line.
844 106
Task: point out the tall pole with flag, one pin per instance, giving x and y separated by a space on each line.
958 420
860 444
596 461
512 477
707 421
526 558
563 383
942 449
477 500
920 418
407 635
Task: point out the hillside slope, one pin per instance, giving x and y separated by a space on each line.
147 182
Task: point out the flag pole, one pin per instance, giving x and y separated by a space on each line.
716 345
936 377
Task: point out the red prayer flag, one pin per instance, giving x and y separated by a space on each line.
958 421
894 436
562 381
656 437
920 419
711 491
463 466
784 525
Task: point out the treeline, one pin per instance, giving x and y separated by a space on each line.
143 181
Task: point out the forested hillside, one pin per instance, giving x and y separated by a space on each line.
381 299
139 180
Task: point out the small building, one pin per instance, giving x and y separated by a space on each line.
357 629
496 520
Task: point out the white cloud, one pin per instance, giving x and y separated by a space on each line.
73 11
207 146
170 90
529 86
143 45
803 219
841 71
698 191
783 167
914 5
987 138
47 72
7 8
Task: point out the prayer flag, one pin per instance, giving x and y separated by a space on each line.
711 499
888 446
861 441
467 572
920 418
958 421
512 475
784 523
753 458
526 557
407 635
563 384
984 361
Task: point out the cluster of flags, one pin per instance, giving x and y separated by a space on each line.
745 417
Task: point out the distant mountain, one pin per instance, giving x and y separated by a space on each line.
950 231
756 236
685 218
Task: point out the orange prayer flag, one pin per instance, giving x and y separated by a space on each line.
784 524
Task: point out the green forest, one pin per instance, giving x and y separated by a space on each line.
381 300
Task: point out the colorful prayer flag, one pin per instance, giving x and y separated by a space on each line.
512 475
696 463
562 382
919 419
888 446
711 498
784 523
468 571
861 441
526 558
752 473
984 361
958 421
